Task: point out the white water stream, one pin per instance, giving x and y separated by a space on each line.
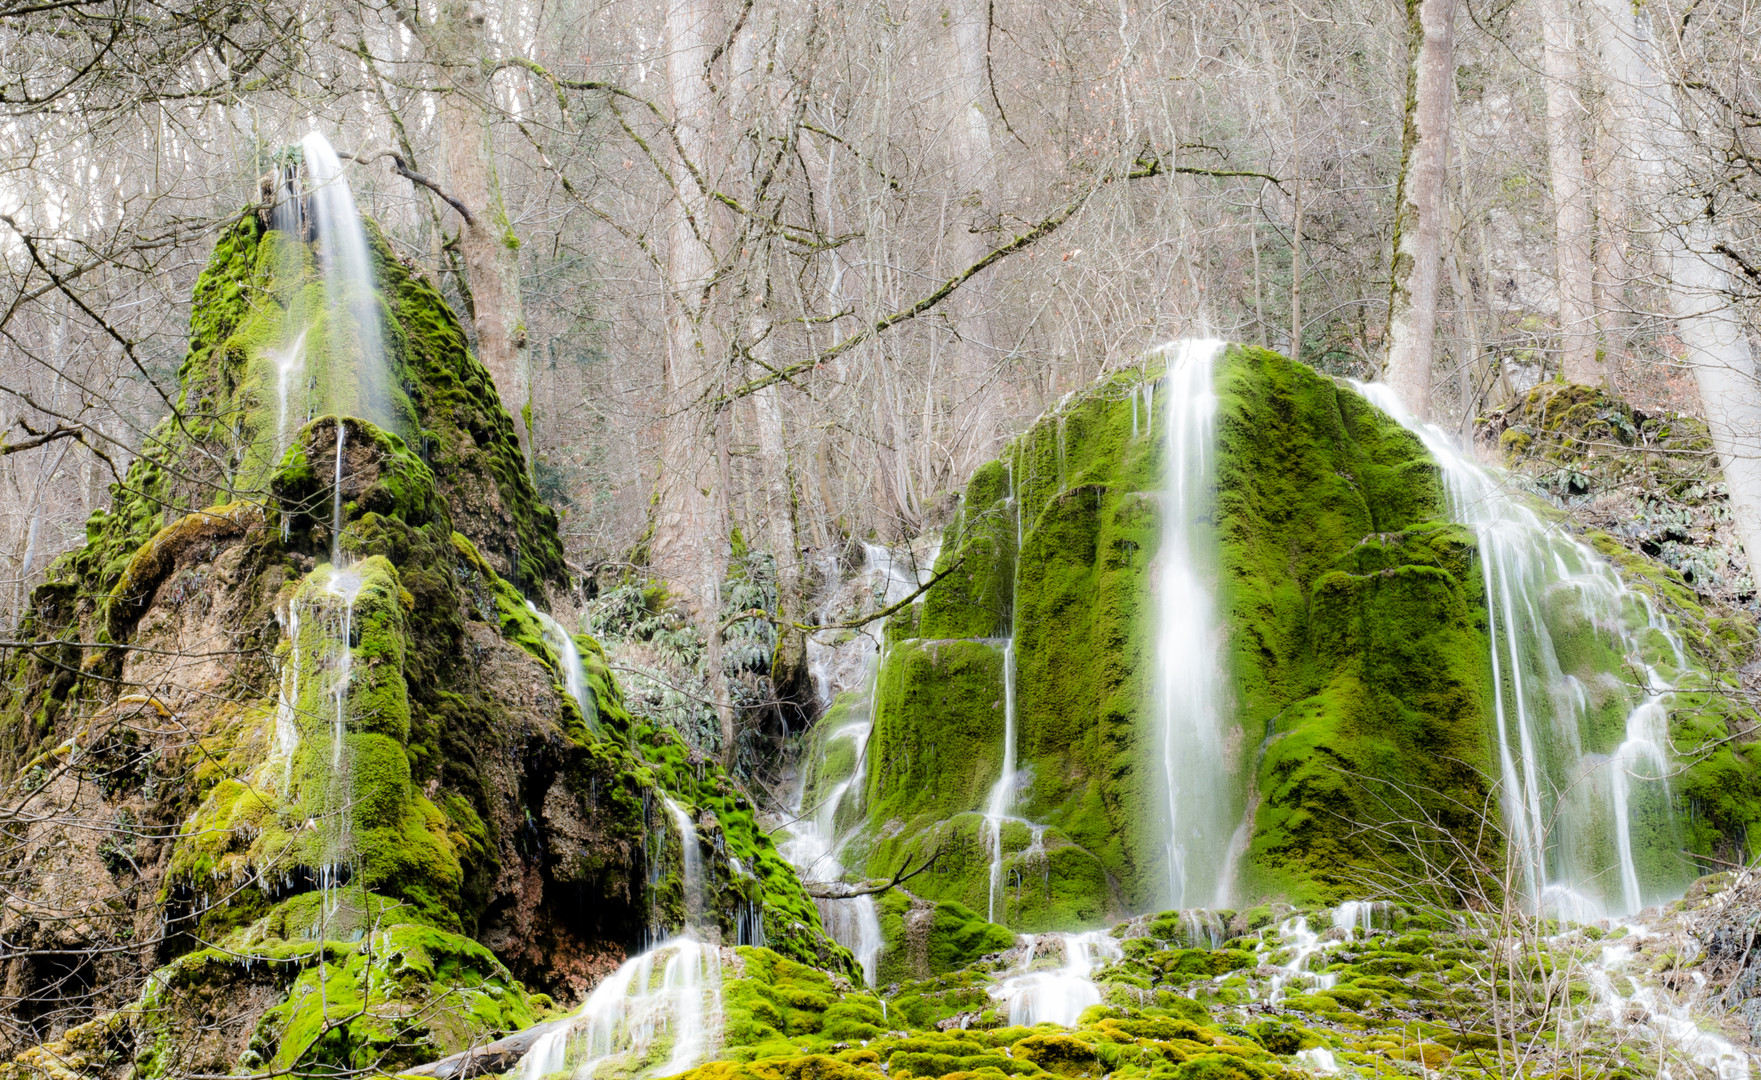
814 842
568 655
1669 1024
638 1023
1570 809
354 344
1002 796
1057 995
1200 815
290 364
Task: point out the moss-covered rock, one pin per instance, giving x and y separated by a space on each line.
374 813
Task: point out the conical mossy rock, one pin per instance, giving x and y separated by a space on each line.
368 877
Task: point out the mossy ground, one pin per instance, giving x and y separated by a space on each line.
1415 994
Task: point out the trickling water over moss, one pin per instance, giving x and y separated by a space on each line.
1359 688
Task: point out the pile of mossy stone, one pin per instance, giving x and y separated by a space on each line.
1421 993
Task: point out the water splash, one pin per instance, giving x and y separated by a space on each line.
1553 604
1056 996
1200 816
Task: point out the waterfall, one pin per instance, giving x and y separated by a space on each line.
1569 808
1057 996
574 670
359 383
1199 814
812 848
813 843
336 497
1002 797
625 1024
316 682
289 364
1354 916
690 861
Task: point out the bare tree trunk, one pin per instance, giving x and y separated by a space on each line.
976 401
1418 220
689 544
1714 340
486 238
1579 360
1296 270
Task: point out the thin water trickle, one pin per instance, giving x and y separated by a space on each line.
1200 814
1002 796
336 497
1551 602
574 669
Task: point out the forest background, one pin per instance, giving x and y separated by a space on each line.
764 279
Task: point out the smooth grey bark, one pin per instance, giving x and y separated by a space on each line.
1419 202
975 390
486 239
1715 343
1579 358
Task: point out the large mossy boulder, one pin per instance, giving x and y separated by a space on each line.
354 811
1352 647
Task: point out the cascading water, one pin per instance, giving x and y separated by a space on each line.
1575 656
1002 796
1200 811
690 862
574 670
353 340
290 363
633 1025
814 843
1056 996
812 848
624 1025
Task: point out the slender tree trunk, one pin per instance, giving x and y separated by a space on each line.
1714 340
1296 270
977 402
689 547
486 239
1418 221
1579 360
